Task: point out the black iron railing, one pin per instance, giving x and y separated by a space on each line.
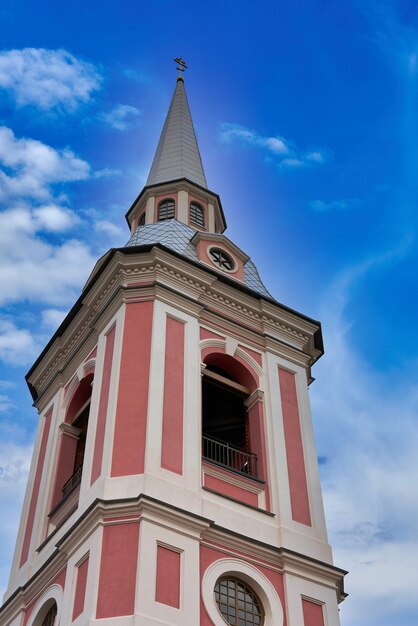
229 456
72 482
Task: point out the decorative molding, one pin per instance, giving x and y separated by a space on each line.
256 396
68 429
124 280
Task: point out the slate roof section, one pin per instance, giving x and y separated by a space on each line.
177 236
177 155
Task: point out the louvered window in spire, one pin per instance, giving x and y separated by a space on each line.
197 214
166 210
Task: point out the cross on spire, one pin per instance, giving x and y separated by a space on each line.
181 67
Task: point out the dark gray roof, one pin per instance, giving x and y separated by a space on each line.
177 154
177 236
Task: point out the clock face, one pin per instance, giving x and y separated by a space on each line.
221 259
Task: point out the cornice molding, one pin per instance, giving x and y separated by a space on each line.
277 558
159 274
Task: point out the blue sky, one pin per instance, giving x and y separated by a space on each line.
306 115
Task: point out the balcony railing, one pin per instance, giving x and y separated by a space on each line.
72 482
233 458
68 502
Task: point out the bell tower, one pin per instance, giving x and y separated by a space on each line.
174 478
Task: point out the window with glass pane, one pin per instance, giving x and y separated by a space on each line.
221 259
238 603
197 214
166 210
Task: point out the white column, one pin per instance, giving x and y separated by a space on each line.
182 211
149 211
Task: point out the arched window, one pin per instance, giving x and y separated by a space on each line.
141 221
166 210
225 421
238 604
197 214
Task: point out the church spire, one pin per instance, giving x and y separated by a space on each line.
177 155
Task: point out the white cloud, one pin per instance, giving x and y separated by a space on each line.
29 168
17 346
121 117
14 469
7 384
54 218
52 318
6 404
275 144
340 204
235 132
292 163
135 75
105 226
47 79
367 422
33 269
280 150
316 156
107 172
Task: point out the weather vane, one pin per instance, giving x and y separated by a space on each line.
181 66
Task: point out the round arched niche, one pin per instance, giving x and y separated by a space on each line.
250 575
52 597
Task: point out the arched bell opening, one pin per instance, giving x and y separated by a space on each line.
47 614
227 431
72 443
50 617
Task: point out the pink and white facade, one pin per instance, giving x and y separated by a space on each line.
175 445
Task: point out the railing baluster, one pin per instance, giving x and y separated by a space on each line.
229 456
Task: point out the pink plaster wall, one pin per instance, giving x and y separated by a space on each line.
258 443
172 436
35 489
167 590
313 614
294 449
80 588
131 411
208 334
103 402
118 569
233 491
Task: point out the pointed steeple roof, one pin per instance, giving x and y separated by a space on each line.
177 154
